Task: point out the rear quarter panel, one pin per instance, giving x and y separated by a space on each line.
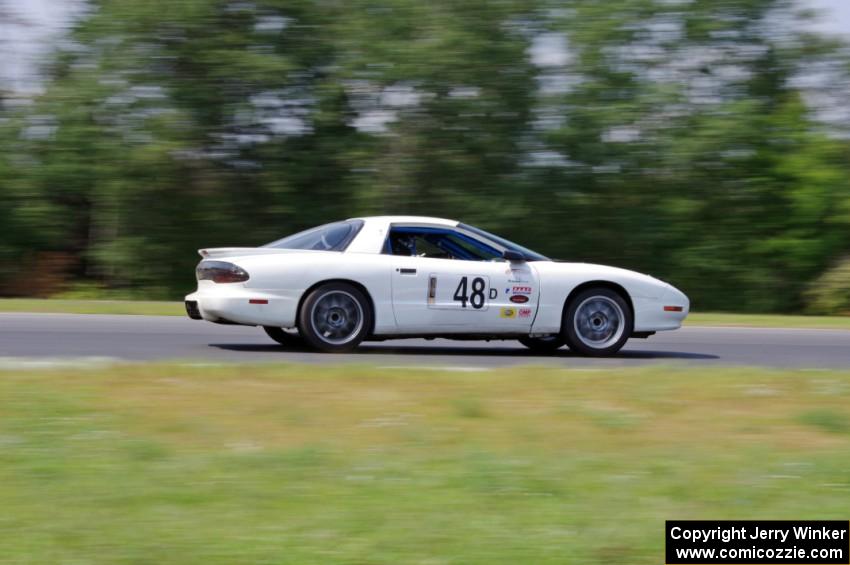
290 275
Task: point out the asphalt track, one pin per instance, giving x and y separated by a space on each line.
47 338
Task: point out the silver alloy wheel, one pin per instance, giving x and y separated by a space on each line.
337 317
599 322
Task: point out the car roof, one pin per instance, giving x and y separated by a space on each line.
409 220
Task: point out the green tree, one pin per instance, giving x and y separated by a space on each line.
679 139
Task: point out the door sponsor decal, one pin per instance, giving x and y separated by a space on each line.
517 275
514 313
519 299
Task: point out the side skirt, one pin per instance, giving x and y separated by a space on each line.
458 337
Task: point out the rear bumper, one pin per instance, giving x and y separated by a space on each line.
240 305
192 310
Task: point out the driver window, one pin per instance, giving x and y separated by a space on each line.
438 243
416 245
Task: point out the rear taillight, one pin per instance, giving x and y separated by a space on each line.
220 272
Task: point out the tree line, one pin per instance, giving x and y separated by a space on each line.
704 142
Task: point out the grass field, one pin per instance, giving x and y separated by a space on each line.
61 306
154 308
176 464
768 321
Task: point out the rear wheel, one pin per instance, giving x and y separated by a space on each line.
335 317
285 337
597 323
546 344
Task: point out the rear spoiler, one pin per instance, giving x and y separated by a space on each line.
216 252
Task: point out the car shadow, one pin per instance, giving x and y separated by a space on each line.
434 350
642 354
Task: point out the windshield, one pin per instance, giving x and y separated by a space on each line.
527 253
329 237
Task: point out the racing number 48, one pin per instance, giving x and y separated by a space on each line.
476 297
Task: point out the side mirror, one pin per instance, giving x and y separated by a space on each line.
513 256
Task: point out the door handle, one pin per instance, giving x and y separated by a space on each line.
407 271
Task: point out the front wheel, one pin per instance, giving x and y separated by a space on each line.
546 344
597 323
335 318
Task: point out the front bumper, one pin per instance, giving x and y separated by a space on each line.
650 314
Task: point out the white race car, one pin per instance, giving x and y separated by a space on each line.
404 276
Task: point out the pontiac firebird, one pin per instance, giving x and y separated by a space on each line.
378 278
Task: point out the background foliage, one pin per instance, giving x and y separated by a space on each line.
703 142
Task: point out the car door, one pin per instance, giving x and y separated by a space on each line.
453 294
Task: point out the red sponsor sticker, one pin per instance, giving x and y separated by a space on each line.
521 290
519 299
525 312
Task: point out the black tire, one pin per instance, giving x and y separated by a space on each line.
597 322
287 338
335 318
546 344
